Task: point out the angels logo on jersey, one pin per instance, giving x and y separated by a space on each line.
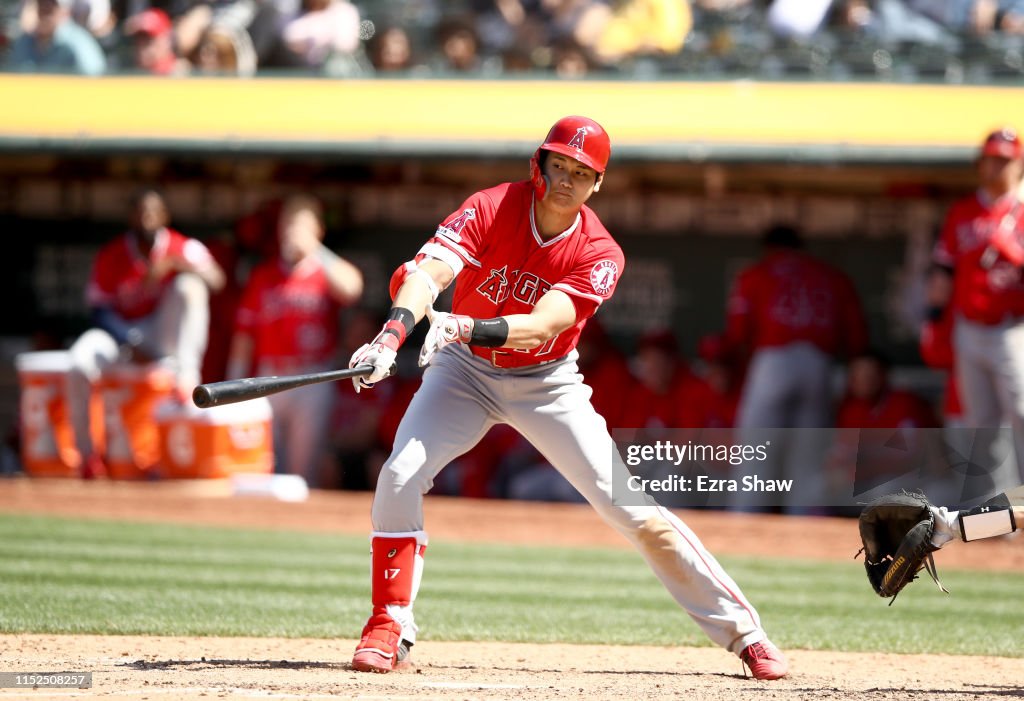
495 287
602 276
577 141
451 230
527 287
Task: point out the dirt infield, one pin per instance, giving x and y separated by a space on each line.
194 668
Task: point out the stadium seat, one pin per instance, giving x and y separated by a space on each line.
933 63
1002 55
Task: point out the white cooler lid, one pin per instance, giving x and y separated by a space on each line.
249 411
43 361
135 371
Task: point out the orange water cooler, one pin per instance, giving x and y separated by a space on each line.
47 440
216 442
131 394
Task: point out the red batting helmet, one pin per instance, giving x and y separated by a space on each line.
576 137
1003 143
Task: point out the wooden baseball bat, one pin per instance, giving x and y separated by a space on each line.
231 391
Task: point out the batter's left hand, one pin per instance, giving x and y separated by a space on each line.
444 330
379 353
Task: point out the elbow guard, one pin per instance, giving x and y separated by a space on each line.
993 518
403 272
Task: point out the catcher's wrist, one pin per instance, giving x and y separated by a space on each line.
489 333
991 519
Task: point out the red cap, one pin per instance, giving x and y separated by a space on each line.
1003 143
153 21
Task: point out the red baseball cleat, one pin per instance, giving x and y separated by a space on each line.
380 649
765 660
367 660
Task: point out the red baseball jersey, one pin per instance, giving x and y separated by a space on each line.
987 287
790 297
120 275
703 406
503 266
894 409
936 348
642 407
290 315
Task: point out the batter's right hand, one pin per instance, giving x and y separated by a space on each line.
380 353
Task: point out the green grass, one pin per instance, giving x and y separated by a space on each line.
106 577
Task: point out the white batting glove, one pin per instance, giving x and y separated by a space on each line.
380 353
444 330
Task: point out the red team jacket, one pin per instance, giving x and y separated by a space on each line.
702 406
987 287
642 407
936 348
119 276
290 315
790 297
894 409
503 266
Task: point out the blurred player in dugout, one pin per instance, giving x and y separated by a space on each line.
792 315
287 324
977 278
148 297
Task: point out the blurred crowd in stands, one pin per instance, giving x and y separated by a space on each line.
944 40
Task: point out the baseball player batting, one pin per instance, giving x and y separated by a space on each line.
532 264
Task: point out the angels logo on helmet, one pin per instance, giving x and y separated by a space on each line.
578 140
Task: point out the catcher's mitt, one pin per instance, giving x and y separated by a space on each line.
896 531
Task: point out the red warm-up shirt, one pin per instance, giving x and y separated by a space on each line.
290 314
987 288
936 348
790 297
120 274
893 409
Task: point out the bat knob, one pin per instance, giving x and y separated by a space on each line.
202 397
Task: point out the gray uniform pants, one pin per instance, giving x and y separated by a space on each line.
787 387
462 396
301 424
990 370
179 327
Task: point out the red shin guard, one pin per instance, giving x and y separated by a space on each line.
393 570
393 579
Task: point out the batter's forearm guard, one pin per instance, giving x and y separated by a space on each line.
489 333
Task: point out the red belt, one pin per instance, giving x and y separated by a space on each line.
506 359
